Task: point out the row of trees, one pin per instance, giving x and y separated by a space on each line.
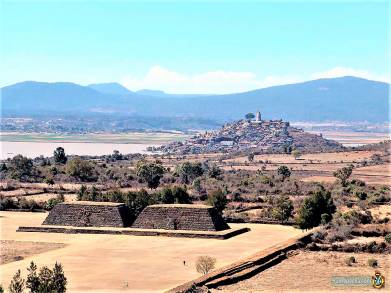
43 281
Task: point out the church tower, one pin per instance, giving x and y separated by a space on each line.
258 116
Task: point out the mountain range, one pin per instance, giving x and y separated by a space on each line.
335 99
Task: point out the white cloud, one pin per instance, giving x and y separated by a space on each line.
222 82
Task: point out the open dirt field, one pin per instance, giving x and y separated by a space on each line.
339 157
377 175
17 250
132 263
313 272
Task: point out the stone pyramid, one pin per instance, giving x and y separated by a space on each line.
180 217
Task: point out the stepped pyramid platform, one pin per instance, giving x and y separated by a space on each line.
89 214
173 220
180 217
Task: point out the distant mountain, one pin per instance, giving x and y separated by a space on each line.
343 99
151 93
111 88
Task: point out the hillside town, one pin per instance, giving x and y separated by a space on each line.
272 136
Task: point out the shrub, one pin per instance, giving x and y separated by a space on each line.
205 264
387 238
372 262
362 195
6 203
265 179
350 260
51 203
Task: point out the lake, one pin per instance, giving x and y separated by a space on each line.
8 149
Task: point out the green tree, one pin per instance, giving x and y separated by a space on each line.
249 116
282 208
214 172
32 282
17 283
250 157
3 167
137 201
197 185
117 156
150 172
180 195
81 169
188 171
284 172
20 167
59 281
45 280
315 208
343 174
217 199
59 156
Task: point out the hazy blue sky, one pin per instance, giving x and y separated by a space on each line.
209 46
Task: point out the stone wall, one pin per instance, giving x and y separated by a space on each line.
89 214
180 217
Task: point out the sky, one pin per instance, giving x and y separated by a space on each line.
193 47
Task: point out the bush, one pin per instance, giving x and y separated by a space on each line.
350 260
6 203
205 264
387 238
372 262
51 203
362 195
